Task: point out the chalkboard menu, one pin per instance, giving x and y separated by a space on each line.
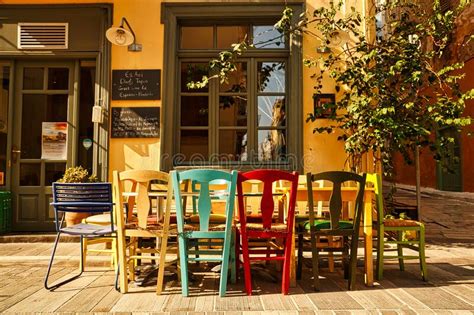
135 122
136 84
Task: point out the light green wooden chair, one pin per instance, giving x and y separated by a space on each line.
190 240
398 227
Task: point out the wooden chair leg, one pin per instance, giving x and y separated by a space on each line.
82 262
380 253
122 263
285 283
132 262
161 267
183 261
225 264
331 254
315 260
246 263
353 262
424 269
345 257
237 254
114 253
299 266
233 270
401 263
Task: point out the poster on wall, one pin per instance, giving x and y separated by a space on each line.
54 141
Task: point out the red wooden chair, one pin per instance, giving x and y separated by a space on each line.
264 225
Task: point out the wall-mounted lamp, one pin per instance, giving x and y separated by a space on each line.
122 37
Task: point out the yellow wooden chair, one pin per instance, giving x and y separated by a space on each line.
135 221
110 244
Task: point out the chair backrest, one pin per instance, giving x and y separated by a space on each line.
337 178
376 180
81 197
139 182
267 206
203 178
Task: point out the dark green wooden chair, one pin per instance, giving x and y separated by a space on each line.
334 226
395 231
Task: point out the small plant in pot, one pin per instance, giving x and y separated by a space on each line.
77 174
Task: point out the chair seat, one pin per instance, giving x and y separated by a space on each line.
153 225
275 227
400 223
213 218
100 219
326 224
87 229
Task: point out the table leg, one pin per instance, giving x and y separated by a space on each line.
369 261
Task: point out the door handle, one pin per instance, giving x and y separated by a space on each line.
15 152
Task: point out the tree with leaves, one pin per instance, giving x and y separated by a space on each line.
394 96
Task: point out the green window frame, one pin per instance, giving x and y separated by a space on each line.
175 16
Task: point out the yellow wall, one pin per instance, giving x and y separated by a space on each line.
144 17
321 151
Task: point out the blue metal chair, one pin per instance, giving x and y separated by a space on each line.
190 238
91 198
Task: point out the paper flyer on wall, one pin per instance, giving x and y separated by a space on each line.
54 141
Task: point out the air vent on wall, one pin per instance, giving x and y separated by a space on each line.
42 35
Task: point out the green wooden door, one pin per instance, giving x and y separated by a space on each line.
43 139
450 178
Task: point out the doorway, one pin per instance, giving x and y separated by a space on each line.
47 134
449 172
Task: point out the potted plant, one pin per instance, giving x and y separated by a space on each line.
77 174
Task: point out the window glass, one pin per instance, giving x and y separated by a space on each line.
271 111
58 78
194 145
266 36
194 110
4 97
232 111
271 77
228 35
271 145
237 80
36 109
86 127
197 37
53 172
33 78
30 174
233 145
193 72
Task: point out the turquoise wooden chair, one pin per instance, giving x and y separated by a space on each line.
190 239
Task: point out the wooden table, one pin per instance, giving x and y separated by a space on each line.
348 194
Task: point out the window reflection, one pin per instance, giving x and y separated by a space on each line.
272 145
233 145
197 37
193 72
266 36
194 145
232 111
271 111
228 35
194 111
271 77
237 80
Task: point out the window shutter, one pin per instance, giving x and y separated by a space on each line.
42 35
